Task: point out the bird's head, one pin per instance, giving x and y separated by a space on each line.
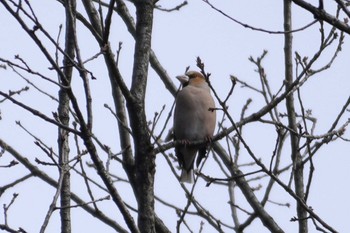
192 78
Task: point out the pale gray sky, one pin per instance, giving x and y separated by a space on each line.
179 37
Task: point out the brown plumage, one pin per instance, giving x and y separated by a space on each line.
193 121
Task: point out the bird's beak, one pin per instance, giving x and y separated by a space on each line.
183 79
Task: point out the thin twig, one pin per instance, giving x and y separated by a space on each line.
87 203
210 180
176 8
39 114
259 29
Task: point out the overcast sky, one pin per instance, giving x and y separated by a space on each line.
178 38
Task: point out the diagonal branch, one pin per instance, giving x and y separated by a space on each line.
321 14
35 171
39 114
255 28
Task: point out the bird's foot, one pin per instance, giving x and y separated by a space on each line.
184 142
208 139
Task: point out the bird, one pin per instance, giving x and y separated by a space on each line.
194 120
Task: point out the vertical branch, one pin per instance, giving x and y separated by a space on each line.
308 148
296 156
124 136
108 21
232 204
144 156
135 108
119 89
63 113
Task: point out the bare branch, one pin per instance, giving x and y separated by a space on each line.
35 171
39 114
321 14
176 8
87 203
255 28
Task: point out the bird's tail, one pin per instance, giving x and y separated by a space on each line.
187 176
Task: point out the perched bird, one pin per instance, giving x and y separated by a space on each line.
193 121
